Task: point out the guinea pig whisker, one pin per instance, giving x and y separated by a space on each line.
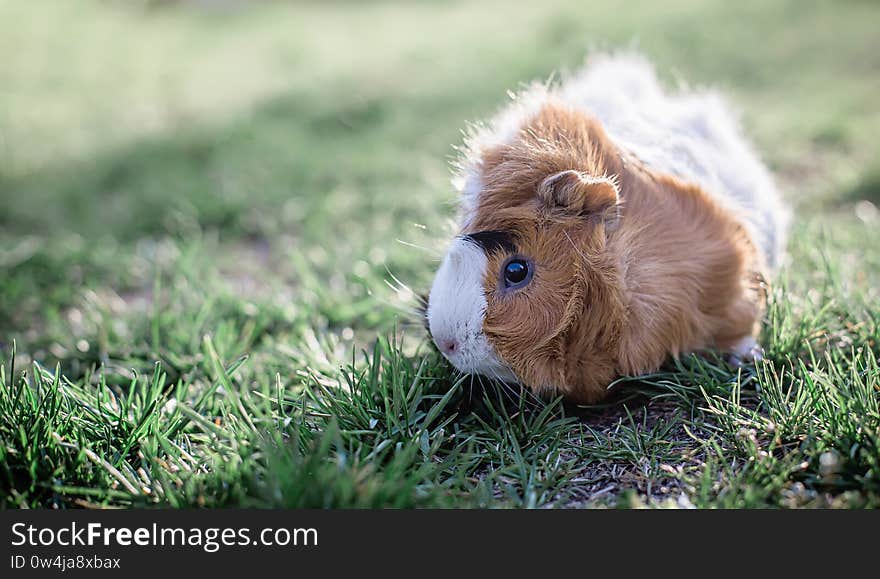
508 391
402 285
416 312
537 400
502 386
528 397
409 312
433 252
524 394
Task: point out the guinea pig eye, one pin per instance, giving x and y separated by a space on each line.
516 273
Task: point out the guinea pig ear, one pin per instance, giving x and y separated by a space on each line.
581 194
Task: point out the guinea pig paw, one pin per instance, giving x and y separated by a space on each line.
746 351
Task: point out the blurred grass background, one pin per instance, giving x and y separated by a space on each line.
326 127
261 172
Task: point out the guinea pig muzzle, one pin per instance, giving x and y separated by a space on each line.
456 309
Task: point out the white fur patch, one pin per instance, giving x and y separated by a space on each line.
748 349
690 134
456 309
470 195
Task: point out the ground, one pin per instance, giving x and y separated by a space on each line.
215 216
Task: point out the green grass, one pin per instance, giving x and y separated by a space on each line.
213 222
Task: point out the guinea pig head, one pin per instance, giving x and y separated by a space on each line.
529 292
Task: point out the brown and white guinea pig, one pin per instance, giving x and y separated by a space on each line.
605 226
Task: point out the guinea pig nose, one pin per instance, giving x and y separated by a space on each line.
448 347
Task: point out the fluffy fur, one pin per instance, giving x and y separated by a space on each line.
651 225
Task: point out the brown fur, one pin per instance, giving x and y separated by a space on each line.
631 266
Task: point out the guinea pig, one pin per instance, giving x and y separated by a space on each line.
605 225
